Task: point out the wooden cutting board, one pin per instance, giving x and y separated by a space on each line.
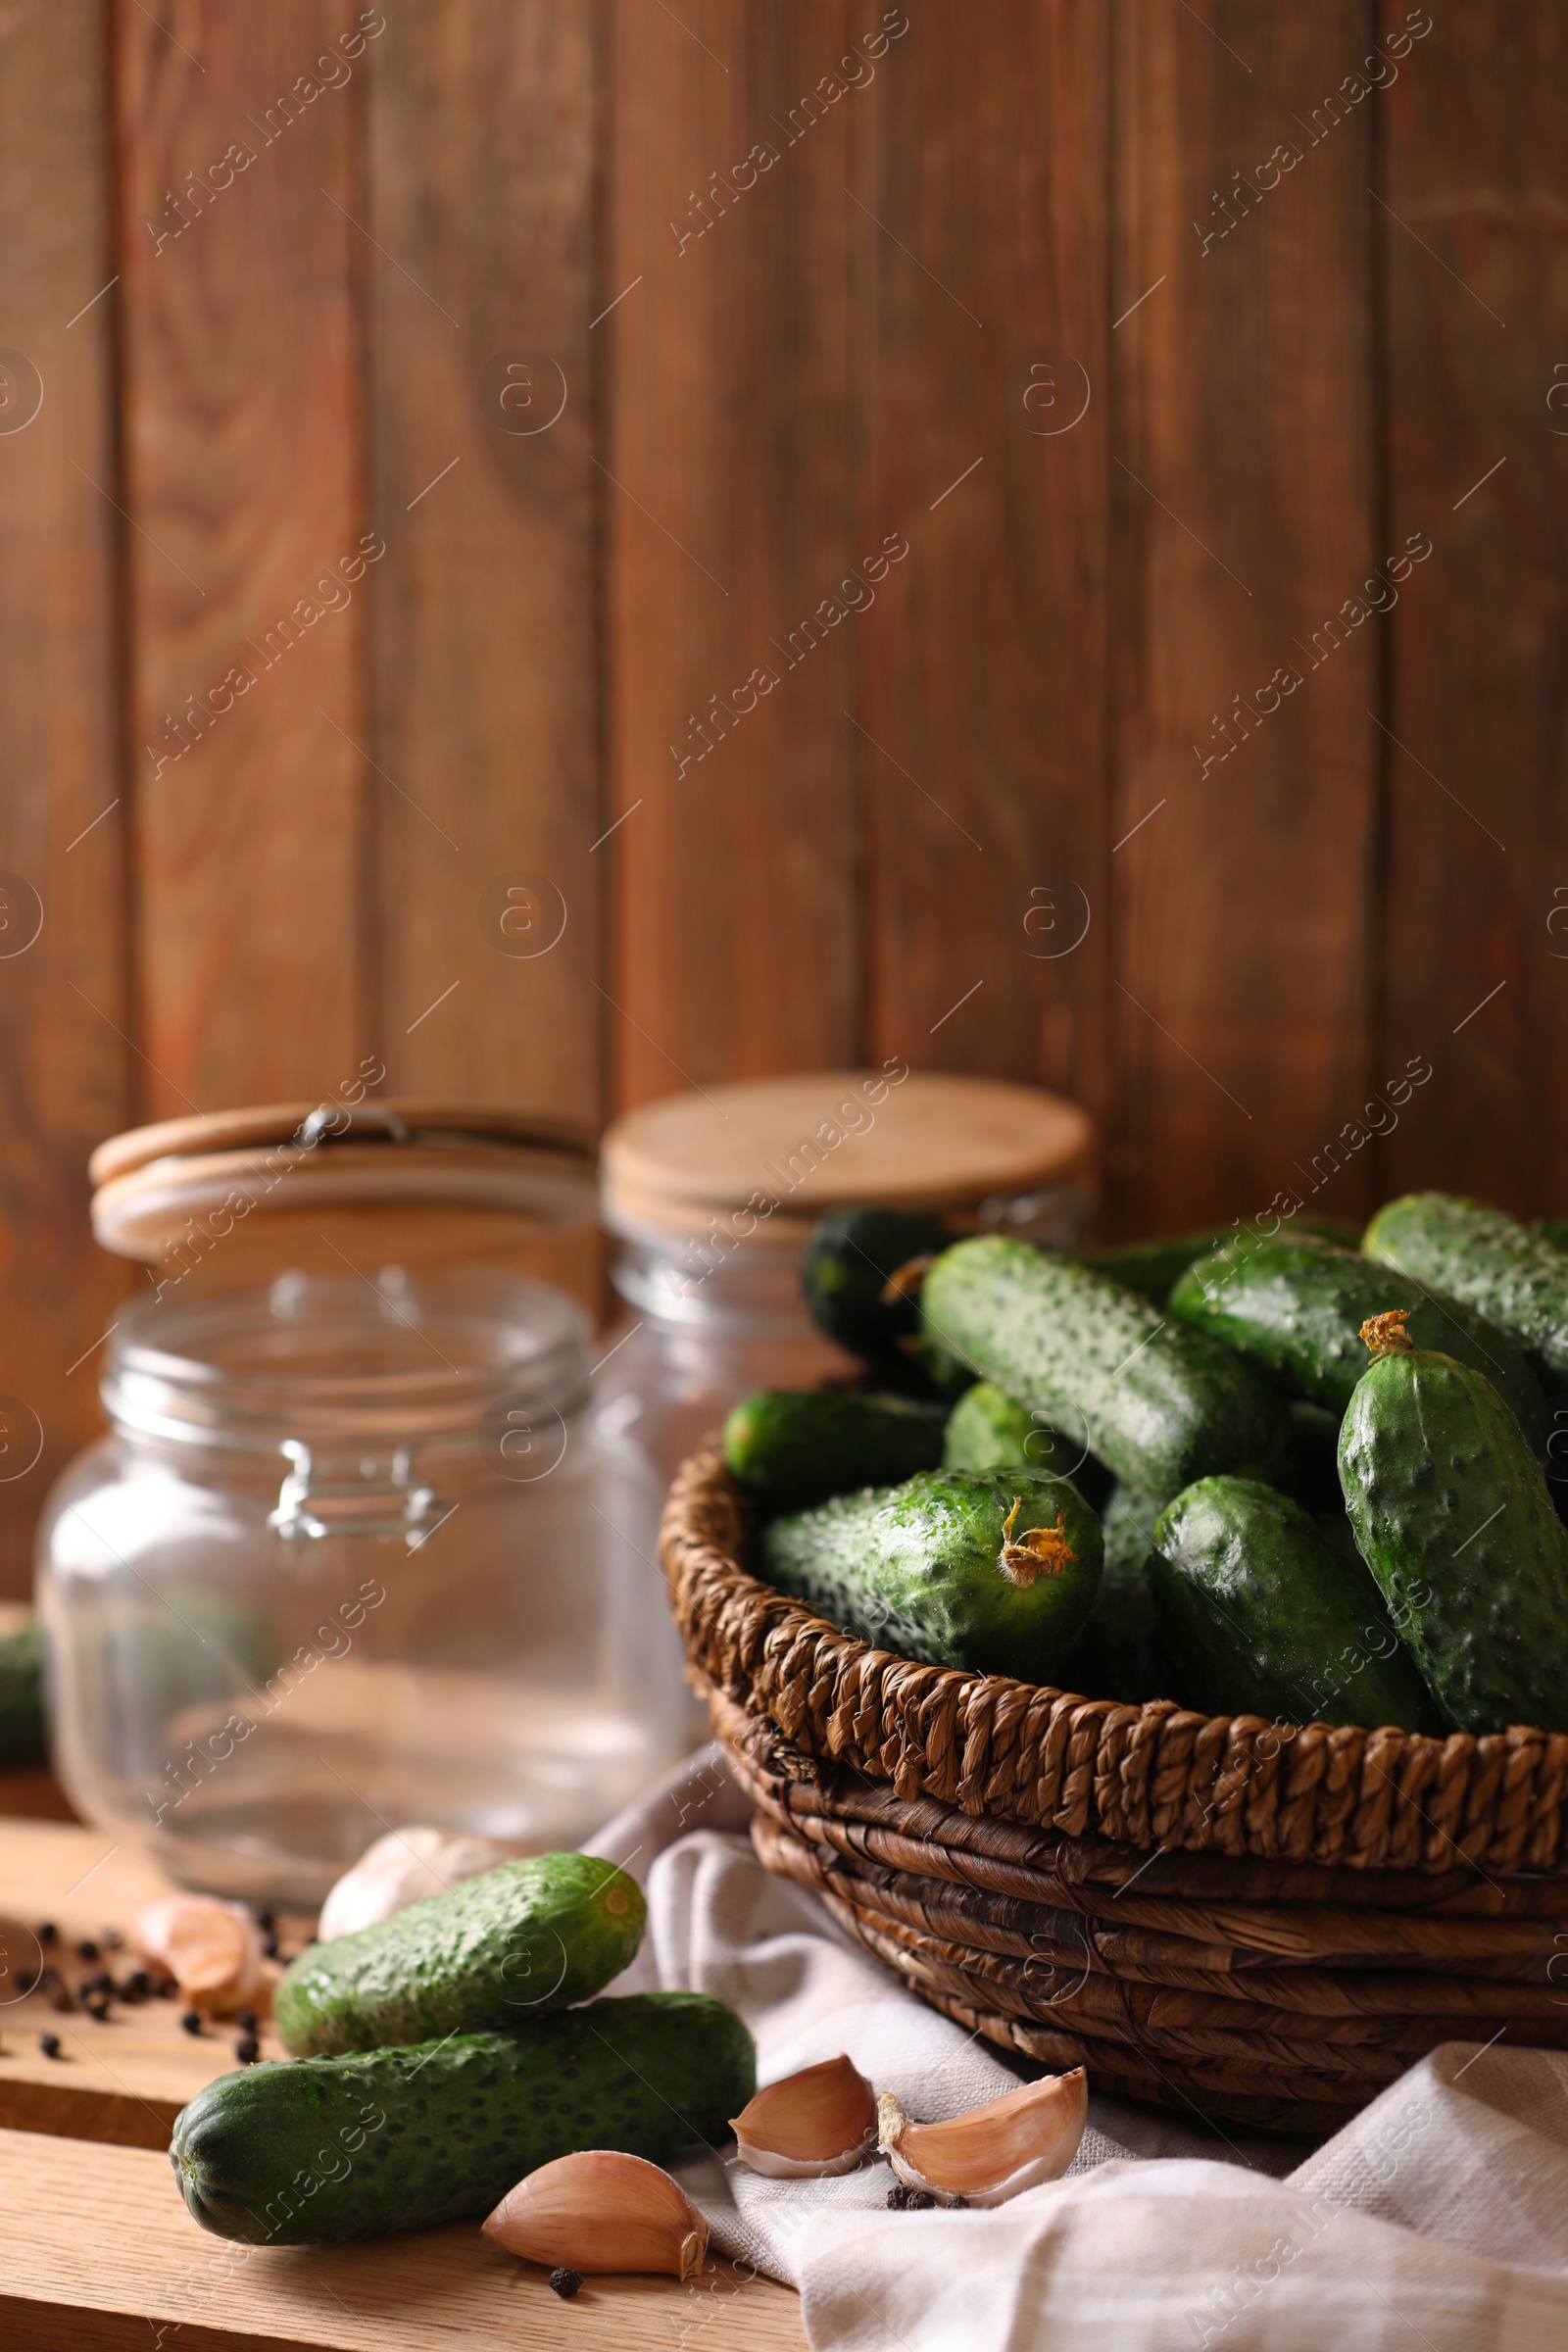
98 2251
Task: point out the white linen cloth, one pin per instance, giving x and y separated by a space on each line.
1438 2218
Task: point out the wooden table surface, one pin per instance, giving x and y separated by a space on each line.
96 2246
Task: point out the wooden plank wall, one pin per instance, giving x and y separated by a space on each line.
884 525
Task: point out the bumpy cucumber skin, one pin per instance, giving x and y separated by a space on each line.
1161 1404
1259 1614
24 1738
915 1569
791 1447
529 1935
1115 1654
1451 1515
847 1260
1151 1267
1294 1305
989 1430
328 2149
1517 1279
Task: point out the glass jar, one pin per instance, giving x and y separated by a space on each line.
352 1555
707 1325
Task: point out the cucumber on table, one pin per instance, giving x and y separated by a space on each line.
327 2149
791 1447
529 1935
23 1738
991 1571
1294 1305
1151 1267
1259 1614
1451 1515
989 1430
1516 1278
1161 1404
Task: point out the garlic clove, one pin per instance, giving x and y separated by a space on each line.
819 2121
995 2151
601 2211
404 1867
211 1949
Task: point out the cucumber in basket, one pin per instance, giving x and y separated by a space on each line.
851 1256
1115 1653
333 2148
1161 1404
989 1430
1517 1279
537 1933
1452 1513
1151 1267
1257 1614
993 1571
790 1448
1294 1305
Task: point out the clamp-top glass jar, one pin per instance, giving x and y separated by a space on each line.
714 1197
354 1555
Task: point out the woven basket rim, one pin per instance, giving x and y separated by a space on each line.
1156 1774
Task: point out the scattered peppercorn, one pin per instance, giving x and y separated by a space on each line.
49 2043
48 1933
96 2005
898 2198
247 2049
28 1982
246 2021
909 2200
566 2283
192 2021
88 1951
266 1920
111 1938
136 1986
270 1947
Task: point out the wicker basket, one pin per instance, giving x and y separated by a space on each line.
1217 1913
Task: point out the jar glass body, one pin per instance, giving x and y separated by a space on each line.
705 1324
355 1556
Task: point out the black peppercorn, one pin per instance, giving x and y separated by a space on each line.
246 2021
88 1951
111 1938
247 2049
266 1921
897 2199
192 2021
48 1933
49 2043
270 1947
136 1986
97 2006
566 2283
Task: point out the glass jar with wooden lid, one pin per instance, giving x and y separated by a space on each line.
713 1197
353 1553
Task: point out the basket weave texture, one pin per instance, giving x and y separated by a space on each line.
1314 1906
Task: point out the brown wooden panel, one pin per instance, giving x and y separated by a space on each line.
244 571
732 513
1474 193
1242 444
983 670
62 814
485 729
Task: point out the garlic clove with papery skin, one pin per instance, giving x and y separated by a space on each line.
212 1949
600 2212
404 1867
995 2151
819 2121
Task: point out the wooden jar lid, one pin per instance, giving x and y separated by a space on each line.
836 1138
312 1183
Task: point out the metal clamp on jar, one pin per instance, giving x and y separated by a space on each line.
353 1553
714 1197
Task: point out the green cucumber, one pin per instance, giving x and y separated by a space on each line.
1160 1404
533 1935
791 1447
943 1569
1151 1267
1294 1305
1553 1229
328 2149
848 1259
23 1738
1517 1279
1452 1513
1259 1615
989 1430
1115 1656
